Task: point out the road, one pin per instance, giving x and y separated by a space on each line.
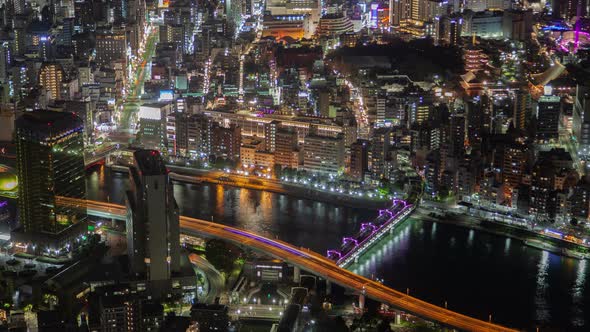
260 311
326 268
330 195
360 111
130 104
313 262
216 281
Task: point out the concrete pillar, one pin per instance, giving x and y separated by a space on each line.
398 318
391 230
328 287
362 301
296 274
356 259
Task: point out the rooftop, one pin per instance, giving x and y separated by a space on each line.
149 162
44 122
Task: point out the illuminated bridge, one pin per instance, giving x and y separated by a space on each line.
309 261
370 233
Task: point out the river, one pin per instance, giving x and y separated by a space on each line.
476 273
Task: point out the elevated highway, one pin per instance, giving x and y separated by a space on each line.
310 261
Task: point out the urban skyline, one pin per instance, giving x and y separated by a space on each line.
119 118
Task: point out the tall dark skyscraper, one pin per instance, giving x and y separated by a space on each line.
359 160
153 233
548 115
50 162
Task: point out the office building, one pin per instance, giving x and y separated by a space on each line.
333 25
286 151
521 109
542 199
50 163
153 240
270 133
225 142
121 309
399 11
484 24
569 8
323 154
514 164
211 317
51 76
381 142
548 113
153 125
359 160
581 121
517 24
110 47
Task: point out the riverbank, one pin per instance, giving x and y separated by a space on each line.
191 175
528 237
198 176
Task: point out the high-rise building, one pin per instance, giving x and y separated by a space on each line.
199 135
68 30
153 234
6 55
333 25
580 200
569 8
51 76
152 125
286 153
457 134
225 142
359 160
270 135
323 154
581 120
121 309
50 162
193 134
548 115
542 199
381 142
449 30
513 165
111 47
18 6
520 117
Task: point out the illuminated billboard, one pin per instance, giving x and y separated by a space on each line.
150 113
8 182
166 95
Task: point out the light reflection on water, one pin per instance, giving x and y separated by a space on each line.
520 286
475 272
542 308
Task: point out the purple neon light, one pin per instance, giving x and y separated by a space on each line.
334 252
385 224
368 224
267 241
563 43
3 203
344 240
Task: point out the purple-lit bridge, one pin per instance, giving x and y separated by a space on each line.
370 233
310 261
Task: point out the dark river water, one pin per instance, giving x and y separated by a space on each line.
474 272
